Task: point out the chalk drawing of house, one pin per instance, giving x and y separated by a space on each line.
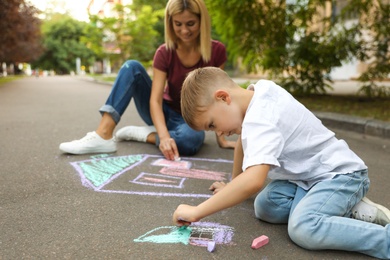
152 175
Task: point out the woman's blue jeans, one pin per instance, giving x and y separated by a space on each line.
134 82
319 218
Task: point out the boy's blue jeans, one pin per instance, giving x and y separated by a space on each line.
134 82
320 217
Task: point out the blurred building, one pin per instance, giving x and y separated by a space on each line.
354 68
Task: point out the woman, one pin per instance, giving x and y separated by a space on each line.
188 46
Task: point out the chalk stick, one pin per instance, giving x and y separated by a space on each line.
259 242
211 246
177 159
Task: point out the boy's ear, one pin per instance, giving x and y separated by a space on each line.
222 95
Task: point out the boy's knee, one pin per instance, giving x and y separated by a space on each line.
261 207
266 211
270 206
302 231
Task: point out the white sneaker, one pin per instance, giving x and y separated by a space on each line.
91 143
369 211
134 133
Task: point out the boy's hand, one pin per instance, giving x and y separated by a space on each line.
217 186
185 215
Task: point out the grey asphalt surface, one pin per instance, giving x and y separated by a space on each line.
49 208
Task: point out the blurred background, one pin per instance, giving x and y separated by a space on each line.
305 45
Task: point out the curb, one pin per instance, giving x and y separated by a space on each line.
356 124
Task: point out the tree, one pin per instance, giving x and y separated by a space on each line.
131 34
375 46
145 38
93 38
20 35
63 44
297 45
158 7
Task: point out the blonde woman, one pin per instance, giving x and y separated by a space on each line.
188 46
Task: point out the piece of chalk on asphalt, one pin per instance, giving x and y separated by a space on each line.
259 242
211 246
177 159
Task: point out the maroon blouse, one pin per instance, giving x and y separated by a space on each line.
169 62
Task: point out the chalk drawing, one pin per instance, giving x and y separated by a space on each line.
197 234
100 156
174 235
172 164
99 171
159 180
152 175
194 173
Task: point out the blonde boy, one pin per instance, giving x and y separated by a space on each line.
317 183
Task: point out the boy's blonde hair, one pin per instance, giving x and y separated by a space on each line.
197 93
198 8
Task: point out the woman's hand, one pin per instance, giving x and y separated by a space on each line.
167 144
185 215
217 186
169 149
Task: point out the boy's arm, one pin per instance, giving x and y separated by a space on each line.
239 189
238 158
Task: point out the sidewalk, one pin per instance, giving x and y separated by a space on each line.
356 124
120 205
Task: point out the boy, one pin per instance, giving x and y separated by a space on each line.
317 182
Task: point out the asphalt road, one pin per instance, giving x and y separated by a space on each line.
119 206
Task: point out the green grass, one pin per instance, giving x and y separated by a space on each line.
103 77
373 108
8 79
351 105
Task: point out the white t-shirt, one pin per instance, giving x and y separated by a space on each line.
279 131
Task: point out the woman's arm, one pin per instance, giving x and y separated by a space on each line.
167 144
239 189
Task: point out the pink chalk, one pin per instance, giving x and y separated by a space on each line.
211 246
259 242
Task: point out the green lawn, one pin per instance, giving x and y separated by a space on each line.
375 108
352 105
8 79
